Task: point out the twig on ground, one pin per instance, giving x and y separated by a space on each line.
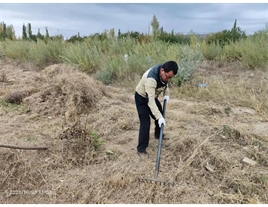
24 148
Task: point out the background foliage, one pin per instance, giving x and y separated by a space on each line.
110 57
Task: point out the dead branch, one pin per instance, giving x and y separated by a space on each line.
24 148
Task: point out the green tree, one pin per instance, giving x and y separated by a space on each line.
29 31
3 34
155 26
104 35
47 34
39 35
59 37
10 32
119 33
111 33
75 38
4 31
225 37
236 33
24 33
161 30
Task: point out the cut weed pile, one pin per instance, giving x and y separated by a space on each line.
91 132
64 91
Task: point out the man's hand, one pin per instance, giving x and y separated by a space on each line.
161 121
166 98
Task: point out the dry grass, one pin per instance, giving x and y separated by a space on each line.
92 151
229 86
3 77
65 91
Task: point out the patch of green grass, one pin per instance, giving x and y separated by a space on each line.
96 141
34 117
8 107
30 139
227 110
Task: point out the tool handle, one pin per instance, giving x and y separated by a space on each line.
164 108
160 142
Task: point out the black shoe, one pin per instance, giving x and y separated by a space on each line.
142 153
163 137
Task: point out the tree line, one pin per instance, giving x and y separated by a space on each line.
155 32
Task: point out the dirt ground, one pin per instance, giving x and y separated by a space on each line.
91 133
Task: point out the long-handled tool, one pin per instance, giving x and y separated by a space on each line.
159 155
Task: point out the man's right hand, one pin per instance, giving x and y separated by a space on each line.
161 121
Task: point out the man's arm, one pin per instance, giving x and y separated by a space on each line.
150 87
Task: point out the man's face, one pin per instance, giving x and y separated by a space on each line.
166 76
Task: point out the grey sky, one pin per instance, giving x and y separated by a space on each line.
88 18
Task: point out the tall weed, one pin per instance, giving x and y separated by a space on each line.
38 53
42 53
211 51
254 52
15 49
84 54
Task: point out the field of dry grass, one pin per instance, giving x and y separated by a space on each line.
91 132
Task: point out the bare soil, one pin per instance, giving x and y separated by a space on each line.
91 131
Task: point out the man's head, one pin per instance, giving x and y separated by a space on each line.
169 70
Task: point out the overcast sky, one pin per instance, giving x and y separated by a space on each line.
88 18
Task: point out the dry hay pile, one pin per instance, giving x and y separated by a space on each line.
64 91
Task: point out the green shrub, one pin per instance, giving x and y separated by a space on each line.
226 37
211 51
104 57
190 59
254 52
42 53
231 53
83 54
38 52
16 49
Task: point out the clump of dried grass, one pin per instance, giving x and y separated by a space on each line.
15 97
80 145
65 91
3 77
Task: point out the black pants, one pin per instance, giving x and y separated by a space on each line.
144 113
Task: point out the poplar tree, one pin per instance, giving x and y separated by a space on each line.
39 35
29 31
155 26
24 33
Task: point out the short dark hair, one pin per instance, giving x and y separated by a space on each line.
170 65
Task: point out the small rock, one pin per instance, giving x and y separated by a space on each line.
47 159
209 168
246 149
210 193
109 152
249 161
